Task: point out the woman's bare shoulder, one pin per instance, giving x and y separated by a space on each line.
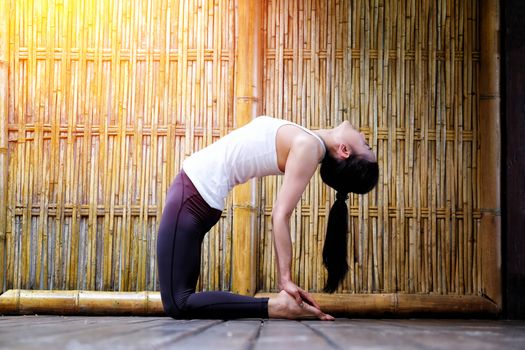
290 138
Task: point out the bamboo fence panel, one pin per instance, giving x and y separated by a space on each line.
106 99
406 74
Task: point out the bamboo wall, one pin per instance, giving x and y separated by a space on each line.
405 73
106 98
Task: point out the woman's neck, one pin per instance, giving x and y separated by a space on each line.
328 138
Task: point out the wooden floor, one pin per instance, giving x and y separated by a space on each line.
57 332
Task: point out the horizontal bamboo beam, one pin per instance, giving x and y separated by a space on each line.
397 304
75 302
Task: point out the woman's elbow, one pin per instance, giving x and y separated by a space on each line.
280 214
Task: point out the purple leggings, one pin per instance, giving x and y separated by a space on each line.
185 220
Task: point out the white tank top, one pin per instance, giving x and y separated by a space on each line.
245 153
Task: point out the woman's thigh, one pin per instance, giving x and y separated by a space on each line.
185 221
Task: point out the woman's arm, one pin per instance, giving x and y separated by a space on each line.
301 164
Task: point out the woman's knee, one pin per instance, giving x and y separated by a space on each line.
176 306
177 314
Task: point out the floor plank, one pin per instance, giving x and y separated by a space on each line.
422 334
161 335
82 333
100 333
231 335
361 334
478 334
284 334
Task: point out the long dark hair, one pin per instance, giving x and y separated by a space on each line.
354 174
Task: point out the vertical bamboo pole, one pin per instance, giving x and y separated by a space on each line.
490 137
248 102
4 93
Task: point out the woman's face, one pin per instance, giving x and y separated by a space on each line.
354 142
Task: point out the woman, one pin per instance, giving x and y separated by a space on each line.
265 146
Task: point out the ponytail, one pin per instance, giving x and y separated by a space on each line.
356 175
334 250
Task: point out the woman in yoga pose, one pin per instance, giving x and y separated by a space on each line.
265 146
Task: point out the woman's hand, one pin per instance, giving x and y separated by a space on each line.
299 294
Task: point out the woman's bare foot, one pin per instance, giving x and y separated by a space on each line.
285 306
